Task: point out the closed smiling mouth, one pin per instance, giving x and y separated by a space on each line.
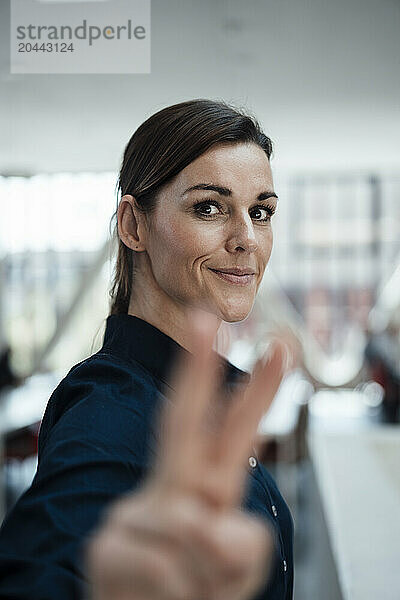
236 275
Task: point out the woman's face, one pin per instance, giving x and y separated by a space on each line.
221 225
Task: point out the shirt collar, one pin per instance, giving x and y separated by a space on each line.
133 338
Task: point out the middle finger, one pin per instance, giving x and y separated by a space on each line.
240 424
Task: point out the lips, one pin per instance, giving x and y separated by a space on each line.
236 270
235 276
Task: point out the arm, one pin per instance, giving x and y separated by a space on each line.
84 465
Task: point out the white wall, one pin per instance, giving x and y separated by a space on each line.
322 76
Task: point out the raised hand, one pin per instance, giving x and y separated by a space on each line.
183 534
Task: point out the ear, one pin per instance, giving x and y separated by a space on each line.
131 224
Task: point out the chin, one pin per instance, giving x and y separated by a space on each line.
234 314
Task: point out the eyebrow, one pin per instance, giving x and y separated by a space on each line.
225 191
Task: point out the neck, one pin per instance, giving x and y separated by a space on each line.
150 303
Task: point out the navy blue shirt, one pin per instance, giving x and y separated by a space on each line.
97 441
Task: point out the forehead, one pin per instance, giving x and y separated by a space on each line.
232 165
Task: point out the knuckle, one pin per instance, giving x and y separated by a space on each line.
188 519
192 518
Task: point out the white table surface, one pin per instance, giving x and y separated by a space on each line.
358 474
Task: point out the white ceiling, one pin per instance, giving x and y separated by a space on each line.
322 76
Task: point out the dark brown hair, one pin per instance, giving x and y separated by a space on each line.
159 149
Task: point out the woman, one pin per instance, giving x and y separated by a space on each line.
194 233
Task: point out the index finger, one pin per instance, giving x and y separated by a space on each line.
194 383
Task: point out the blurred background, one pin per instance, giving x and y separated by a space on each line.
323 79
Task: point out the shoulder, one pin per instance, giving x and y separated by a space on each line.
102 397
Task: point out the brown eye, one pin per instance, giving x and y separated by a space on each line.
265 212
204 208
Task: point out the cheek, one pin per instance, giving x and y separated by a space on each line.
265 245
184 244
264 253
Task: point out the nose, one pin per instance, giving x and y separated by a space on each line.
241 235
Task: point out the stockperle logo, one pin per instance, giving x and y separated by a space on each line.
69 36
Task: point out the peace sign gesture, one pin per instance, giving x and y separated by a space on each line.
183 534
194 459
